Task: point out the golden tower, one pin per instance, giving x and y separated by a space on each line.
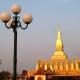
59 54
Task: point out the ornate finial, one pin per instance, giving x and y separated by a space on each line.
77 64
59 34
38 65
72 64
59 45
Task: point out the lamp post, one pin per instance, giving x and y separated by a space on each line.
15 23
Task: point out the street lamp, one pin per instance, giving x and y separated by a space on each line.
15 23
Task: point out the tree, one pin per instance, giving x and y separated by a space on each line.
4 75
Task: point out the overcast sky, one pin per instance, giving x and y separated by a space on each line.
38 40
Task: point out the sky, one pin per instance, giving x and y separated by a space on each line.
38 40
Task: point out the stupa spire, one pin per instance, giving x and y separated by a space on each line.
59 53
59 44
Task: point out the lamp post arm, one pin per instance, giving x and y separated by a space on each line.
24 27
7 26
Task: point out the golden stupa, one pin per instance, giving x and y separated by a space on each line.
57 65
59 54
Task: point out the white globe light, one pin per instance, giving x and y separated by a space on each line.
27 19
5 17
16 9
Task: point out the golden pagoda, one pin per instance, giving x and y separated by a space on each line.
59 55
57 66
